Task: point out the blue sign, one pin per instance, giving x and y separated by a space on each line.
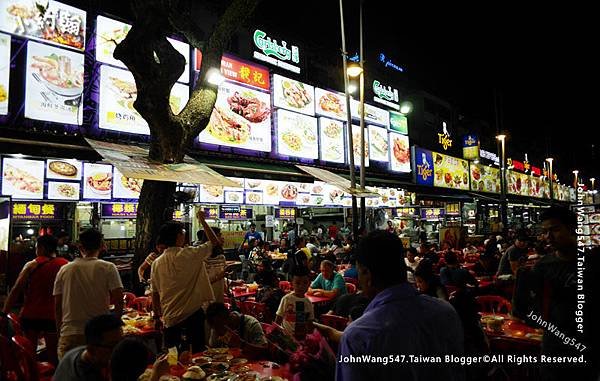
354 58
387 62
423 167
470 140
470 147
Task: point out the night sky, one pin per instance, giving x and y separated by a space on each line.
538 59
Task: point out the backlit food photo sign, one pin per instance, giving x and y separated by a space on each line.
386 95
274 53
423 166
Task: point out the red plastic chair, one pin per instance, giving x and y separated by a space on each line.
334 321
128 298
28 368
15 322
142 304
493 303
8 361
285 285
354 281
258 310
351 288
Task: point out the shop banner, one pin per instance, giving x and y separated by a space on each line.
485 178
36 211
232 215
423 166
119 210
48 21
432 214
470 147
450 172
243 72
4 72
403 212
212 213
285 213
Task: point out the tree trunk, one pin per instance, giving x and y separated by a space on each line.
154 208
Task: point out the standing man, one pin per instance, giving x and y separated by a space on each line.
333 231
83 289
397 321
251 234
181 286
509 263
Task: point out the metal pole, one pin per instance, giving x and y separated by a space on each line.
362 120
551 186
349 127
504 210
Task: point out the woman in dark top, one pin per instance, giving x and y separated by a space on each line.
427 282
269 292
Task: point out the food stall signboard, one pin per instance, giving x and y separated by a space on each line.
246 73
35 211
470 147
398 122
432 214
403 212
242 214
52 22
450 172
4 72
54 84
274 53
485 178
285 213
211 213
423 166
230 209
119 210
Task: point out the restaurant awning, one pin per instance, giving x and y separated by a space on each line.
336 180
133 162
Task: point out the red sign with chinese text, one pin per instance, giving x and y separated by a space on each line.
240 71
518 165
536 171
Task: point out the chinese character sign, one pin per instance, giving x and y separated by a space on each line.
34 211
119 210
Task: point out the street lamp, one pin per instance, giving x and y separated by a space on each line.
550 176
349 120
592 180
503 210
406 107
576 172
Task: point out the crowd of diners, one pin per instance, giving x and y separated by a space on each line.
415 301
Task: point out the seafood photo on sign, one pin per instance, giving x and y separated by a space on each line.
241 118
330 104
399 153
293 95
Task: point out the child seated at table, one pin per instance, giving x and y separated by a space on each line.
295 311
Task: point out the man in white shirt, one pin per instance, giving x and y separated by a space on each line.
84 289
181 286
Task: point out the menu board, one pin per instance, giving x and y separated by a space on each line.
98 179
270 191
234 195
332 139
288 192
398 122
378 144
241 118
536 188
485 179
109 33
333 195
517 183
356 142
22 178
330 104
48 21
317 193
304 194
254 191
64 169
117 94
399 153
54 84
4 72
373 114
212 193
126 187
59 190
450 172
293 95
297 135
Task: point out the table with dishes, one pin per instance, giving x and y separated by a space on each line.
502 325
137 323
224 364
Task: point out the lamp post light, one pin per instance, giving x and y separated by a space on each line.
503 209
349 120
550 176
592 180
576 185
576 172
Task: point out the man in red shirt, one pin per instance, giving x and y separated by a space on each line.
333 231
36 282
